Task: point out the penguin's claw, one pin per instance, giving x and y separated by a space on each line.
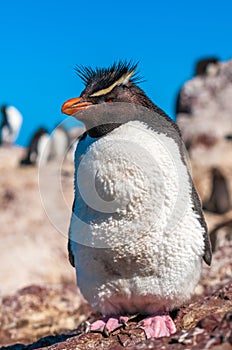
158 326
109 324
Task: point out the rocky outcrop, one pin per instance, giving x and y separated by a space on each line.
205 107
34 312
206 129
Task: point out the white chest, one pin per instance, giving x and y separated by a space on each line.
133 223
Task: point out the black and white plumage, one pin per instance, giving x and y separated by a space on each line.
219 199
10 124
44 147
39 148
144 254
59 143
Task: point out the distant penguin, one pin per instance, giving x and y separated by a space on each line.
10 124
75 136
219 200
221 234
228 137
59 143
39 148
72 149
206 66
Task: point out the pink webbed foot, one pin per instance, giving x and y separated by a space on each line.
108 324
157 326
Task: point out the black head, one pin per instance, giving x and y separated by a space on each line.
3 109
118 83
203 64
100 81
114 84
4 120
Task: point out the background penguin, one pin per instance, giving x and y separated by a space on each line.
39 148
228 137
60 142
207 66
10 124
142 266
221 234
219 200
75 135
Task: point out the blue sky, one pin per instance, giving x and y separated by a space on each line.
42 41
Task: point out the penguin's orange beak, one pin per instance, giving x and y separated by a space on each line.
74 106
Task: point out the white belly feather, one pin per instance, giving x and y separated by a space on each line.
136 240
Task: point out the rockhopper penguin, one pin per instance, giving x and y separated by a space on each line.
10 124
137 233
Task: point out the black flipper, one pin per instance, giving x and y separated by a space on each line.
198 209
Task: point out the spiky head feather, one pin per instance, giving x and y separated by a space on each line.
102 78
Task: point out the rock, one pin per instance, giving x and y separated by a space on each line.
207 131
208 98
34 312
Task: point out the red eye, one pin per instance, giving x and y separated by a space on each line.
110 100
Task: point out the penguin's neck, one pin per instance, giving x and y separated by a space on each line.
102 130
